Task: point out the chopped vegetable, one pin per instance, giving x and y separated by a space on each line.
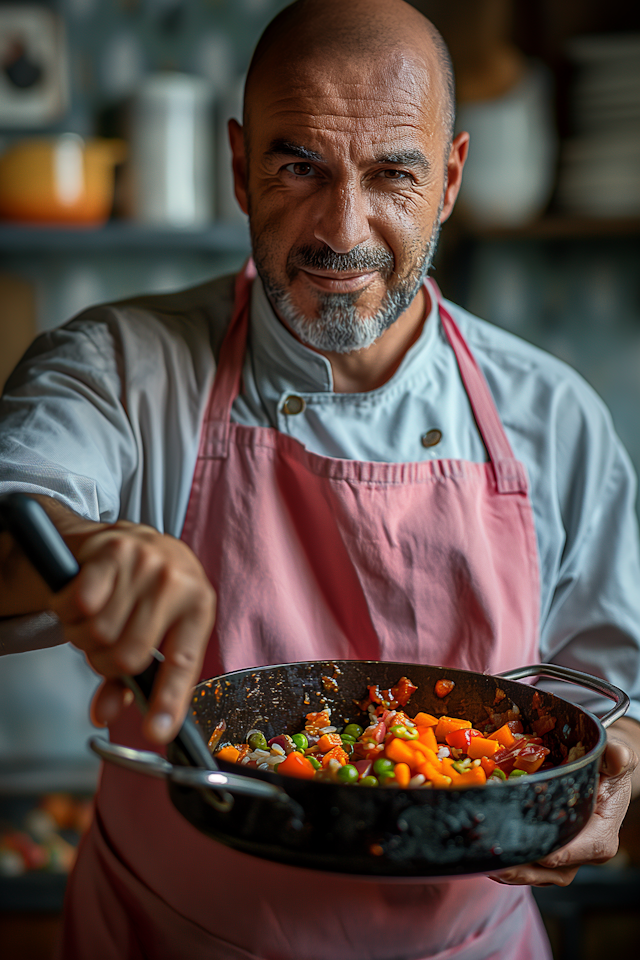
444 687
395 750
296 765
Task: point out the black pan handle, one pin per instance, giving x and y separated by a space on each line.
557 672
41 543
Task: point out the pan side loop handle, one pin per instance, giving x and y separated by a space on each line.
555 671
218 785
153 765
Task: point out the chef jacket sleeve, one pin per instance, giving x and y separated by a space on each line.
592 621
65 430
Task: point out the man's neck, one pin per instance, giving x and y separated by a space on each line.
368 369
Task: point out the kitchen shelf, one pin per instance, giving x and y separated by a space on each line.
556 227
121 236
33 778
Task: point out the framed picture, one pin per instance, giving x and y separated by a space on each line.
34 84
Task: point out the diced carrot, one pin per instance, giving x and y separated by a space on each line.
425 720
488 765
427 737
315 722
481 747
448 725
437 778
449 769
400 752
336 753
425 752
503 735
475 777
295 765
328 741
529 766
230 754
402 774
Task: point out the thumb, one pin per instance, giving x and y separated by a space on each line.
618 759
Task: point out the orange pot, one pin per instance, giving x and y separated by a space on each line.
59 180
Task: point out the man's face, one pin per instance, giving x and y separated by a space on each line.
344 187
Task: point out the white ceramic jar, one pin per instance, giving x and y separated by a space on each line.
510 171
172 151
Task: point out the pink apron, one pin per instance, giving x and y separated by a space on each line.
316 558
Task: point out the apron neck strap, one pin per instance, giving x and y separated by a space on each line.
510 475
226 384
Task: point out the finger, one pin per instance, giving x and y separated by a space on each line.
144 631
89 591
535 875
183 650
617 760
109 701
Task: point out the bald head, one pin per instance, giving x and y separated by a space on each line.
335 32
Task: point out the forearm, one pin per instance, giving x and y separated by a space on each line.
628 731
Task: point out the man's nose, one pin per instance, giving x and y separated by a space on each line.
342 221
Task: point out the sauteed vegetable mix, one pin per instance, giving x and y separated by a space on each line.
395 749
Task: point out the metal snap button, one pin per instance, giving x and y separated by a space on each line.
431 438
293 405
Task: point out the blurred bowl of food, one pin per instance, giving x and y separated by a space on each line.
59 180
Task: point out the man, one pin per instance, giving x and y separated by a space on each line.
345 482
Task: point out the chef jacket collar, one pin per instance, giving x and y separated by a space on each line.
282 363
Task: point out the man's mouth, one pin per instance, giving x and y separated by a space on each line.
338 281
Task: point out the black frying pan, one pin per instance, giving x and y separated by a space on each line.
376 831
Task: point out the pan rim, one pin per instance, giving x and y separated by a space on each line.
534 779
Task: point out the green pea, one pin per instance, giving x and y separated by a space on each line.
369 782
258 741
386 777
300 741
348 774
314 763
518 773
353 730
346 738
382 765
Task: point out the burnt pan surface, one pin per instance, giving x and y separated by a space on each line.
388 831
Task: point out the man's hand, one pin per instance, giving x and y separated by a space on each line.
598 841
136 590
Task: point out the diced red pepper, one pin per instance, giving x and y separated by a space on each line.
530 749
396 696
461 738
296 765
444 687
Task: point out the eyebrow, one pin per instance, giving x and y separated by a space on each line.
405 158
286 148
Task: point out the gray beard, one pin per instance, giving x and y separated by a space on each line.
339 328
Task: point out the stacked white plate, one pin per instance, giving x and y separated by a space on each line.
600 165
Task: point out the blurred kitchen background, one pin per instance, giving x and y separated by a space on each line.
114 179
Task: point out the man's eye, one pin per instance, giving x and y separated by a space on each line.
300 169
395 175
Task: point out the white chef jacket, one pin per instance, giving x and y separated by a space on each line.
104 414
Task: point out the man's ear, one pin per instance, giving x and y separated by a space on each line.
455 165
239 164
